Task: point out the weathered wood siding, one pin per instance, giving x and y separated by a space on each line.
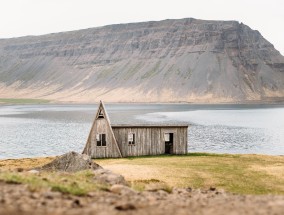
150 140
111 150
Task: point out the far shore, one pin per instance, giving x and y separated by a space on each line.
34 101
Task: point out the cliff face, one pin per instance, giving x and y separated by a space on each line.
167 61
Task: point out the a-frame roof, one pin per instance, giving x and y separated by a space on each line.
102 109
101 112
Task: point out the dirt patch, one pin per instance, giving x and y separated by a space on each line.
134 172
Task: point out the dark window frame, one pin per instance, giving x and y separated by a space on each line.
131 143
102 140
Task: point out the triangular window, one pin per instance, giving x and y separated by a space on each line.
101 114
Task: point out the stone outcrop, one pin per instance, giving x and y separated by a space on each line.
104 176
167 61
71 162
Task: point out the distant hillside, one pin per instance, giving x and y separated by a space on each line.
185 60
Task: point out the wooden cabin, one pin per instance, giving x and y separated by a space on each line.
108 140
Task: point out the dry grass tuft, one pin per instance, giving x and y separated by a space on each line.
24 163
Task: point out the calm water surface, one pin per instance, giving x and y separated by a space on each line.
43 130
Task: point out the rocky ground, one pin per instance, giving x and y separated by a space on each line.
18 199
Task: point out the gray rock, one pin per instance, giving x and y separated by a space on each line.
104 176
71 162
155 187
122 189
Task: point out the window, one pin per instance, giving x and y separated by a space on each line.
167 137
101 139
101 115
131 139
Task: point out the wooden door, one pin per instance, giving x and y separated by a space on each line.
169 142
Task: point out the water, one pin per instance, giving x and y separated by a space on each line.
48 130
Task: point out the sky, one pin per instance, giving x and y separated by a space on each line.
37 17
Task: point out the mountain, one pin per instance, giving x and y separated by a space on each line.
186 60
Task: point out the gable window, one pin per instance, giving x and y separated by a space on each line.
131 139
101 139
101 115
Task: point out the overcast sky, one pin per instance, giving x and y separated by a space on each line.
36 17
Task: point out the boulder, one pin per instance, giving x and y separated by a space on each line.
122 189
105 176
71 162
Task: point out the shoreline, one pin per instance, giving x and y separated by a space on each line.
29 101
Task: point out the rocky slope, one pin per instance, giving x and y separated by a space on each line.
166 61
19 200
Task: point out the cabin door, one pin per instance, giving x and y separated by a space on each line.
169 142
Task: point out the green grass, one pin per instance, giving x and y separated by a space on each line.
243 174
23 101
79 183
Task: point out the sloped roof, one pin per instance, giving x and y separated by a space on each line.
148 125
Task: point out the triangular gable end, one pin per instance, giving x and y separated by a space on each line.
101 114
101 111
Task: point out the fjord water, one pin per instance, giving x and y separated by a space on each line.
48 130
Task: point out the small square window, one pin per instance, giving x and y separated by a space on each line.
131 139
101 139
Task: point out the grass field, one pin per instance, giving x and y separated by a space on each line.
243 174
79 183
22 101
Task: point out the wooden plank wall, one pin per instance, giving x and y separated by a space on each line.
110 150
150 140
